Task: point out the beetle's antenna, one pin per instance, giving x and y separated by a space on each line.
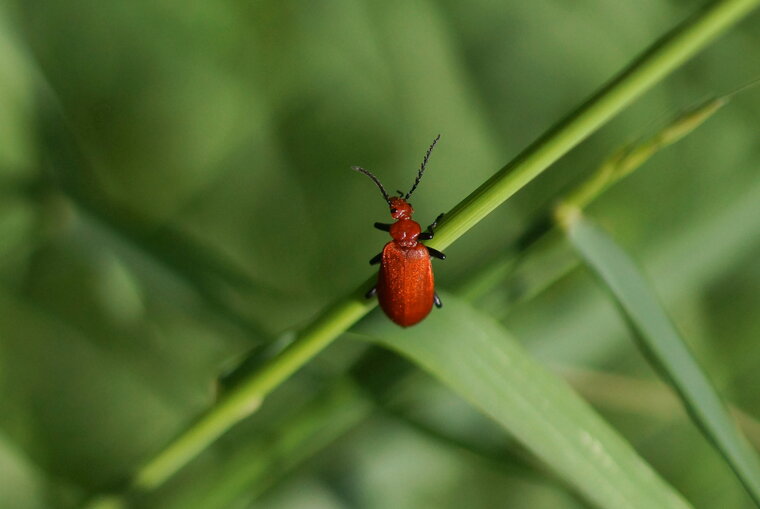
375 180
422 167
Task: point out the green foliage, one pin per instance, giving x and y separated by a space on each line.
480 361
175 198
661 341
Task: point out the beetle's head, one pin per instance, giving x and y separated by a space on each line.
400 208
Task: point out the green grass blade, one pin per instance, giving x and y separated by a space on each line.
475 357
661 342
672 50
264 460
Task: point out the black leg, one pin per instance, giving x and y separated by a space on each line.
376 259
437 301
383 227
435 253
435 223
371 293
430 232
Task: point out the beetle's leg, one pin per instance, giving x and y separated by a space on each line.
371 293
435 223
430 232
383 227
435 253
437 300
376 259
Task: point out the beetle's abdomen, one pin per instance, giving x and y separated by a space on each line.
405 284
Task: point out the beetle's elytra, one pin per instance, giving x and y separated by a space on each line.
405 288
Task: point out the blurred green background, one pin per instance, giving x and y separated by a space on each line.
175 191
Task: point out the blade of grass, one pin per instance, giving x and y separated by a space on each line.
644 397
619 165
539 258
660 59
661 342
268 458
260 463
629 158
475 357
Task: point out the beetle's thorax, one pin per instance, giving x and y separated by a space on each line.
405 232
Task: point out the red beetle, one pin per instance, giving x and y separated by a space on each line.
405 286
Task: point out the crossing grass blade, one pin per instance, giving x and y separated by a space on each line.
477 358
662 343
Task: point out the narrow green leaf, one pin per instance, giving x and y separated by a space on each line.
474 356
660 341
262 460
